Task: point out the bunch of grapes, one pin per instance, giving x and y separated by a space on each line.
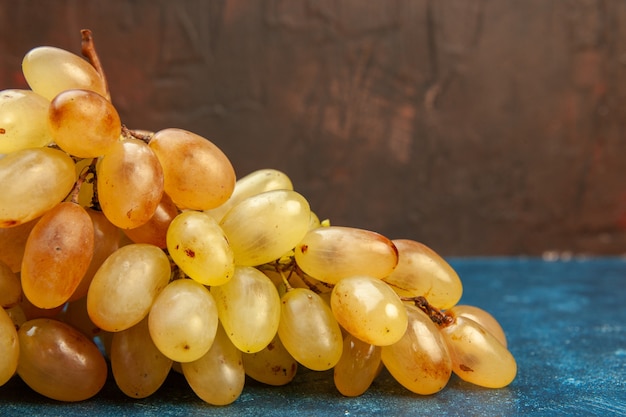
141 253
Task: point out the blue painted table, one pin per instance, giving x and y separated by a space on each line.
566 326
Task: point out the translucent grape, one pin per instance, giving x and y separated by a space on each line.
197 174
482 317
360 363
13 242
422 272
125 286
59 362
23 120
49 71
57 255
32 181
199 247
218 376
272 365
477 356
9 347
309 331
265 226
154 231
183 320
130 183
249 309
369 309
331 253
10 287
420 360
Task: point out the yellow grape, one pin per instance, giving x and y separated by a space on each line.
59 362
183 320
139 368
9 347
13 242
422 272
75 314
16 313
218 376
199 247
331 253
360 363
84 123
481 317
124 287
49 71
249 308
197 174
309 331
264 227
32 181
420 360
154 231
272 365
10 287
57 255
477 356
31 311
130 183
254 183
23 120
369 309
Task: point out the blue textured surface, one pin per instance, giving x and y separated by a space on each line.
565 322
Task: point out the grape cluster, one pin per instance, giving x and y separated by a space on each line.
141 253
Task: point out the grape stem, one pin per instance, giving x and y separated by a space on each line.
129 133
88 49
90 169
437 316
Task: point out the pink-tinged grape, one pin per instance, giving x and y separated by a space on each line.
360 363
154 231
57 255
59 362
83 123
12 244
254 183
23 120
477 356
199 247
139 368
130 183
308 330
249 309
10 287
183 320
335 252
218 376
369 309
272 365
420 360
264 227
125 286
49 71
9 347
482 317
197 174
422 272
32 181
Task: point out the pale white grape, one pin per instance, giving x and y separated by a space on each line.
23 120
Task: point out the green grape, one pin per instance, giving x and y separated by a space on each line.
32 181
309 331
49 71
9 347
249 309
420 360
59 362
254 183
10 287
130 183
359 364
477 356
23 120
369 309
197 174
13 242
183 320
139 368
125 286
199 247
264 227
154 231
272 365
218 376
57 255
83 123
335 252
481 317
422 272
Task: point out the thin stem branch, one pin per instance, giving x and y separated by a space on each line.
88 49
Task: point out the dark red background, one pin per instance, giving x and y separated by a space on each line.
479 127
